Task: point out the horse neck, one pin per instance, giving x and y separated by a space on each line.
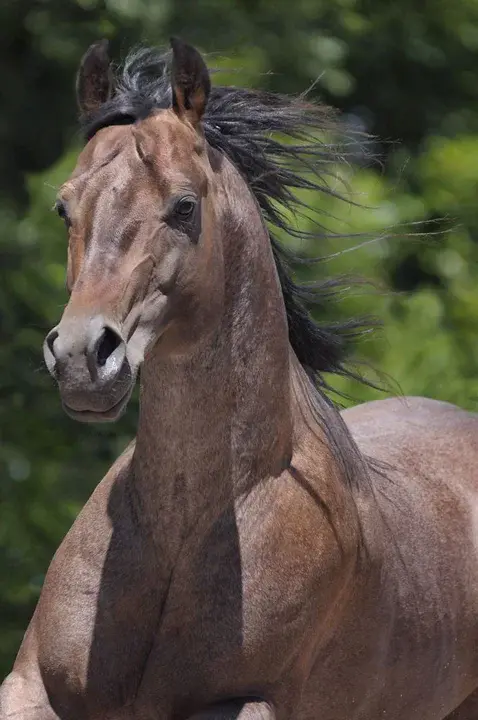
216 420
219 420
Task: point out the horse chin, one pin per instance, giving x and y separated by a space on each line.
91 415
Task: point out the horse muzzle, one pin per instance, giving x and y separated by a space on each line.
88 359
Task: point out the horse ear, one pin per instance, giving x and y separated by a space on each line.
94 81
189 81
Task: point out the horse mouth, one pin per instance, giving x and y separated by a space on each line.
91 415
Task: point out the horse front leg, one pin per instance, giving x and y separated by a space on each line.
22 698
22 693
241 709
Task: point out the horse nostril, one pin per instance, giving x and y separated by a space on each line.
107 344
50 341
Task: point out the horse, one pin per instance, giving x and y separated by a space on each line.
255 554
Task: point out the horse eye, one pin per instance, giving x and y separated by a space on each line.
185 208
60 207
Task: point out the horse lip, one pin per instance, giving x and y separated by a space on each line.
109 415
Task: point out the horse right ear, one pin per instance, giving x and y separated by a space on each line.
190 82
94 81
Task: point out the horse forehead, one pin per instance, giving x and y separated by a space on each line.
96 162
111 154
174 143
107 144
166 128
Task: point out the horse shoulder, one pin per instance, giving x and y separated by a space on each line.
426 489
88 643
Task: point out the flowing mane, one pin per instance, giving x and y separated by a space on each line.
244 124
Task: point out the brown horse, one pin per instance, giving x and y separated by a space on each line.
254 554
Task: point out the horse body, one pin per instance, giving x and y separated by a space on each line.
251 555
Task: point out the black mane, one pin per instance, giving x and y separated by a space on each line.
244 124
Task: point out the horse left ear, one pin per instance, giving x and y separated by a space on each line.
190 82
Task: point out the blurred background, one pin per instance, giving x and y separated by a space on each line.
405 71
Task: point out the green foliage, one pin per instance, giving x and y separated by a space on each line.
405 71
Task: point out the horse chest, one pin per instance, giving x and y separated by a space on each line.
234 623
207 649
